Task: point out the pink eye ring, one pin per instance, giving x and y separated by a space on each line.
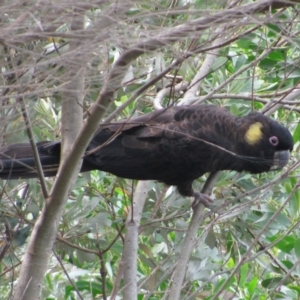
273 140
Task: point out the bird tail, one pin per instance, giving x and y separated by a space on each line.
17 160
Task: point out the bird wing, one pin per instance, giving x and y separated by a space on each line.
167 145
171 122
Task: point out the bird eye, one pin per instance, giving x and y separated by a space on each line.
273 140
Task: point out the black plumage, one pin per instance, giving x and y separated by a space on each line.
174 145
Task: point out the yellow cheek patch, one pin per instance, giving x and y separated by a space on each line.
254 134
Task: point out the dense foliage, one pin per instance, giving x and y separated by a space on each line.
248 245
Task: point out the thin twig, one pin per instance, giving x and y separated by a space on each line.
35 151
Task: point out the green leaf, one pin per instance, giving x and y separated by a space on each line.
295 288
219 62
286 244
296 135
252 285
210 239
243 274
240 62
297 247
21 236
273 282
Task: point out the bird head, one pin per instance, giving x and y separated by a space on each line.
264 144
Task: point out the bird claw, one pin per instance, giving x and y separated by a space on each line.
202 198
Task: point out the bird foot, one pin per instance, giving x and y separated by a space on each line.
202 198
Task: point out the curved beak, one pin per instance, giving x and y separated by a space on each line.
281 158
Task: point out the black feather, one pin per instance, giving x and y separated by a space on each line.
175 145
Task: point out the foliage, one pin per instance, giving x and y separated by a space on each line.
248 245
